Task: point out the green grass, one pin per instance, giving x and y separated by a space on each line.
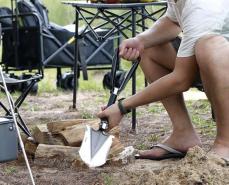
107 179
48 84
200 112
142 146
156 108
153 138
10 170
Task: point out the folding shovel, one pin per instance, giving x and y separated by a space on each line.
96 143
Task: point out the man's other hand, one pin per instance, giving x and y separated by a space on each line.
131 49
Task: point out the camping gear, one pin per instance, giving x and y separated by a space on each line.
9 99
48 44
8 140
27 85
96 143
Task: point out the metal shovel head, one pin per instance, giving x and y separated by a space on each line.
95 147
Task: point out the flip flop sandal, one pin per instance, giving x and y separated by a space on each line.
172 153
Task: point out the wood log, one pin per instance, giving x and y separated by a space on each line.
30 148
57 156
125 157
43 136
73 135
115 131
116 148
58 126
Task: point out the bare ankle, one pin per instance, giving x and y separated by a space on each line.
221 143
189 133
184 128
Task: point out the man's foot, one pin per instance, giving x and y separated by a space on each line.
171 153
179 142
221 150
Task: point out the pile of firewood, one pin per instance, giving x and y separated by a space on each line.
58 143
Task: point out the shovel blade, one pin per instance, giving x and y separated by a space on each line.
95 147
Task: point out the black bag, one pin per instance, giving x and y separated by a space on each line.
28 40
42 10
25 6
5 22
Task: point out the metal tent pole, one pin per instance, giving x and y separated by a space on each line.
16 126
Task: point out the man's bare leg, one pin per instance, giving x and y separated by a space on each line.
157 62
212 55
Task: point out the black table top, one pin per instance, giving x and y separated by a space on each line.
84 4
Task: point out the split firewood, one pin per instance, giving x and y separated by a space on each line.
115 131
58 126
73 135
43 136
124 157
57 156
116 148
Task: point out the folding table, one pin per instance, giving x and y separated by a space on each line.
125 19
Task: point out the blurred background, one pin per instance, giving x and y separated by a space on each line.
58 12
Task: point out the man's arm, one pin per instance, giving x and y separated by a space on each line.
176 82
163 30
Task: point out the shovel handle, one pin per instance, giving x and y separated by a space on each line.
104 124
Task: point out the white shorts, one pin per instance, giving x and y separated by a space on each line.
198 18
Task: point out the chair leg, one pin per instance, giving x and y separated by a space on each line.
20 121
23 126
24 94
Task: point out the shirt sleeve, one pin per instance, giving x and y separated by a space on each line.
170 13
197 21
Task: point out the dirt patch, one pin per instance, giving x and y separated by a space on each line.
153 126
195 168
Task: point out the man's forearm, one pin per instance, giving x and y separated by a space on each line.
173 83
161 32
160 89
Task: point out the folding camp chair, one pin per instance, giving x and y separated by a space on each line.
12 81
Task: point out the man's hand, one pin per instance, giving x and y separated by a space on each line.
130 49
113 115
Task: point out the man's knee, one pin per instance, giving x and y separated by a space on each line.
152 52
207 50
163 54
203 48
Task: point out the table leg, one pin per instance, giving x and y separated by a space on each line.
75 67
134 75
143 11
